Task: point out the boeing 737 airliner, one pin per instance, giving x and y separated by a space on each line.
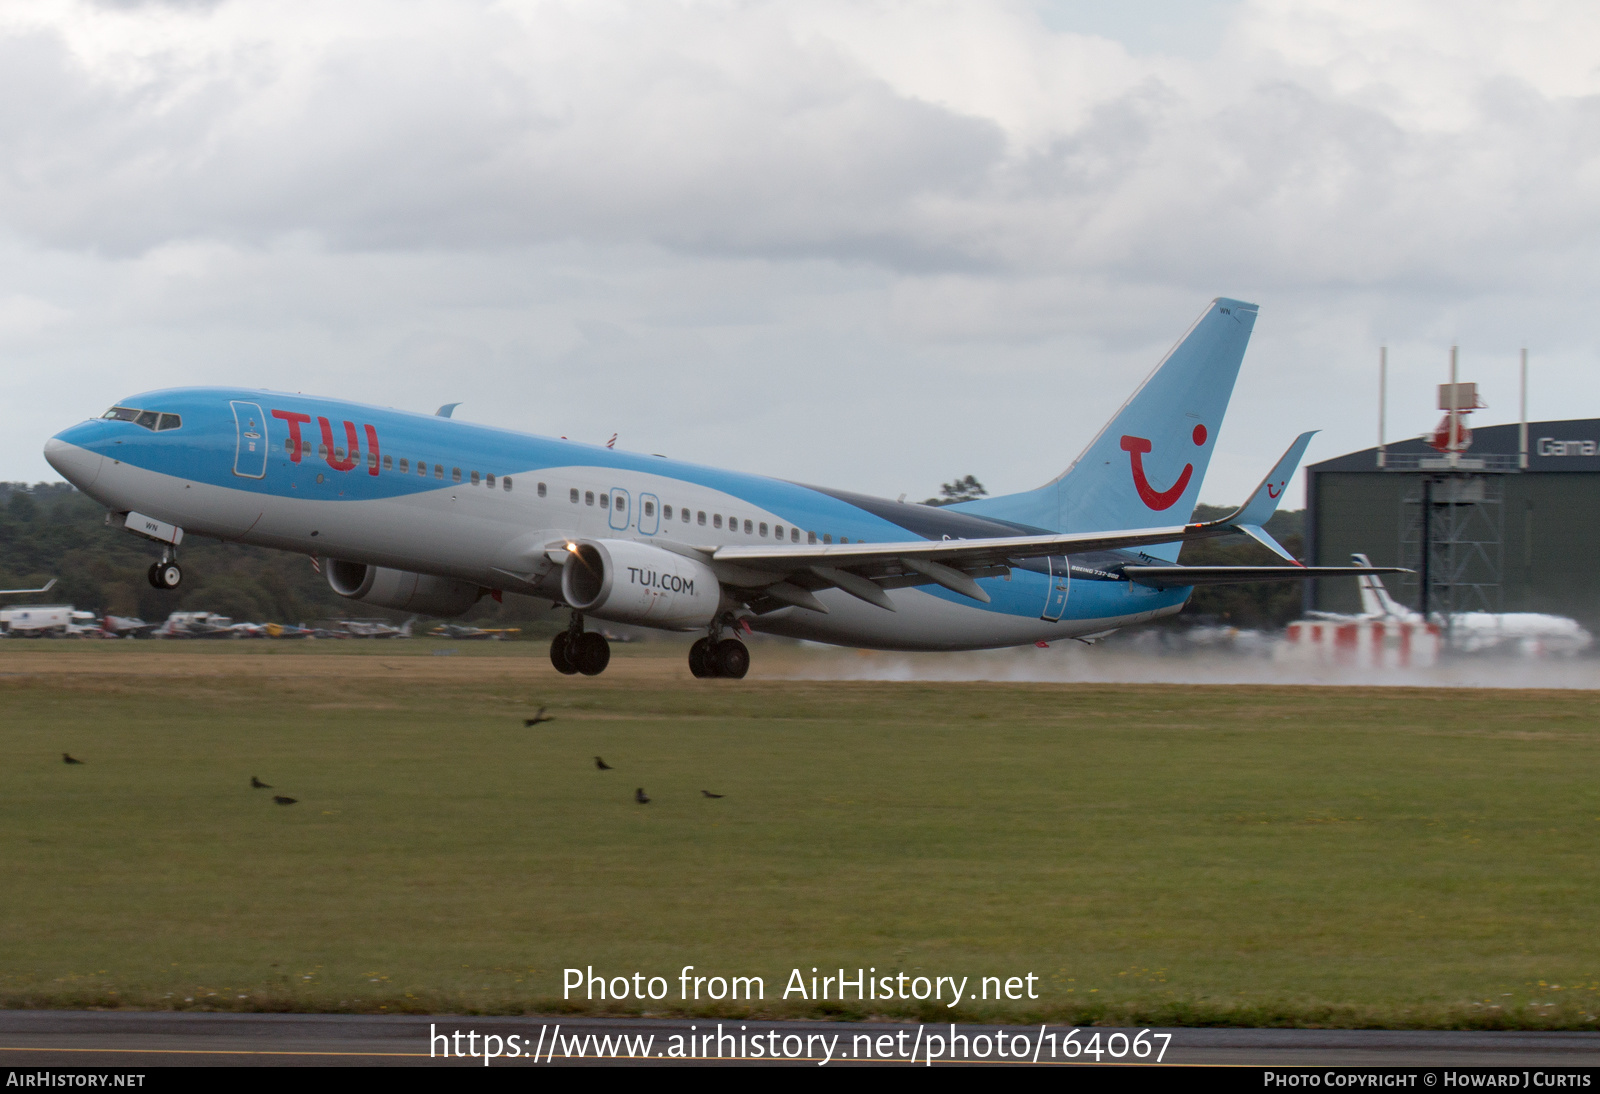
427 514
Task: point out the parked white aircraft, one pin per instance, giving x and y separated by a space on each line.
1528 633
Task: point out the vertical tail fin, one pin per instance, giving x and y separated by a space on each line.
1145 467
1375 599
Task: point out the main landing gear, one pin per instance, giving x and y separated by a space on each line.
710 657
576 650
166 574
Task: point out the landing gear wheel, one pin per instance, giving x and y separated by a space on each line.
700 659
731 658
591 653
166 575
561 654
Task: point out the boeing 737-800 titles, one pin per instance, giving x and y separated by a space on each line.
427 514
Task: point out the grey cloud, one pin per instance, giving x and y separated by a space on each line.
409 146
633 130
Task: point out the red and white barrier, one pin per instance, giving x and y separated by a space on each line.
1364 644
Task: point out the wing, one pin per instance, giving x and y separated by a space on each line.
790 574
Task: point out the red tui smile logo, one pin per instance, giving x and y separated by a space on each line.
1155 499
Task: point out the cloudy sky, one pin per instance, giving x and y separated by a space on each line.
869 245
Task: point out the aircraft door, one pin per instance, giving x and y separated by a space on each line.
1055 600
649 514
250 455
619 510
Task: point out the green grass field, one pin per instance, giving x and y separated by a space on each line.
1155 854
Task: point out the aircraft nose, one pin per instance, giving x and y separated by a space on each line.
77 464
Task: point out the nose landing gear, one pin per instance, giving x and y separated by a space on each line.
576 650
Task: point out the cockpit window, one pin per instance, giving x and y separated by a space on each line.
151 419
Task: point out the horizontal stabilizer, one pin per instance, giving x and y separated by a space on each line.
1179 577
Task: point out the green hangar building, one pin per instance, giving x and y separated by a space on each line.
1509 525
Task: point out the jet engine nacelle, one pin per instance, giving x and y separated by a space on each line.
401 590
627 582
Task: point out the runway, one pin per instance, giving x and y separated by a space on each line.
135 1040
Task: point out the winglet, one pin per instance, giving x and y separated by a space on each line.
446 411
46 587
1264 502
1256 511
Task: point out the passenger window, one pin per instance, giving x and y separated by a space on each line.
827 538
701 520
438 471
762 528
405 466
605 500
622 504
388 463
474 478
338 454
288 445
588 497
716 520
488 480
844 539
574 495
372 459
747 528
777 531
505 484
148 419
666 511
794 535
686 517
170 421
811 537
541 487
455 474
322 451
649 508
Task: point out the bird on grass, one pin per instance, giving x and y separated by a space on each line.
601 764
709 794
67 759
539 717
281 800
257 784
641 797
